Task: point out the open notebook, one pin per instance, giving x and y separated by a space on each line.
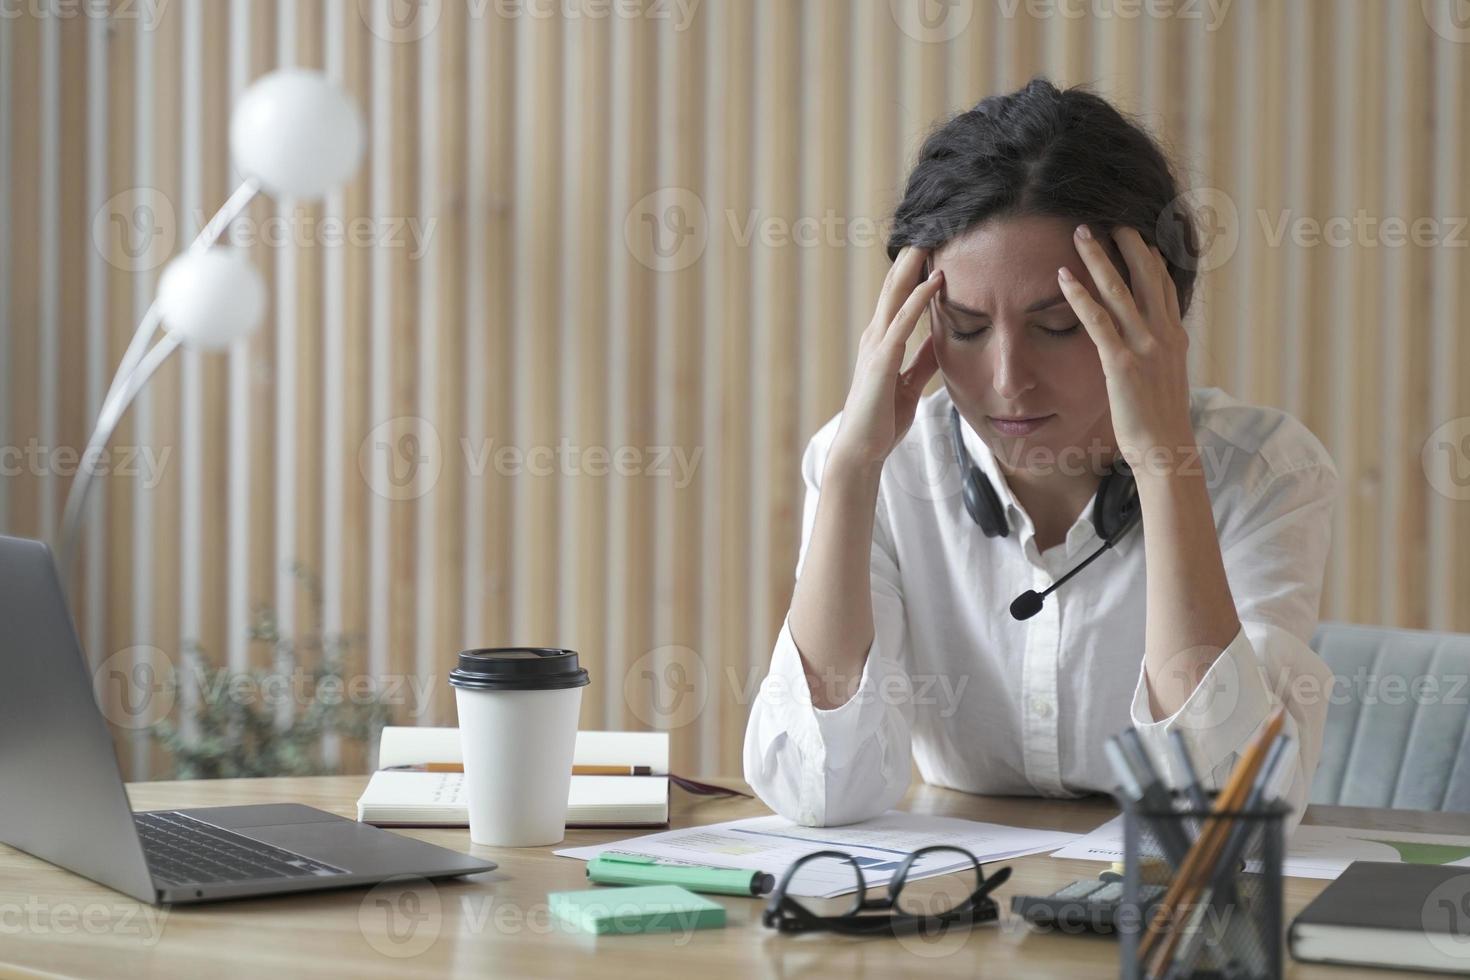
400 799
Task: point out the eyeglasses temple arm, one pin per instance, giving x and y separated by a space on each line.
992 883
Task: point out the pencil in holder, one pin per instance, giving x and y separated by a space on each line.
1201 892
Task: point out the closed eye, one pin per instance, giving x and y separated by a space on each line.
964 335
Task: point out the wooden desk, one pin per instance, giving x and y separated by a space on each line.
496 924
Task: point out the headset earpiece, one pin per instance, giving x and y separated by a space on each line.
984 505
981 500
1114 512
1116 508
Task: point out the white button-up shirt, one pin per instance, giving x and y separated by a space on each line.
988 704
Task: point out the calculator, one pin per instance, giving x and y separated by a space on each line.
1086 905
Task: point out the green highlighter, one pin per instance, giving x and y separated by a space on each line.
622 868
655 908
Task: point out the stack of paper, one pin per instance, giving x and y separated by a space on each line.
772 844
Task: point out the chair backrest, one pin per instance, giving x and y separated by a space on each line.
1398 719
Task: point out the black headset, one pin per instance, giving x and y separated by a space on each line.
1114 512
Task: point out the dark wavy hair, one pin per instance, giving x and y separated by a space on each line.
1044 151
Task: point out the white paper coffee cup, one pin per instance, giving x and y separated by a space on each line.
518 711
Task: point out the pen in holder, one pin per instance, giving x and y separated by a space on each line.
1219 913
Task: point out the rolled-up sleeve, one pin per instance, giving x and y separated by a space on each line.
821 767
1275 555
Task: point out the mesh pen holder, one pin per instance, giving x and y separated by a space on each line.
1233 926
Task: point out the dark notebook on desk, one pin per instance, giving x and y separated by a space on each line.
1380 913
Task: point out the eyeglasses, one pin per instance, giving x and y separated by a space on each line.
906 913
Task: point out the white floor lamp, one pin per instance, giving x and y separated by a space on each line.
293 133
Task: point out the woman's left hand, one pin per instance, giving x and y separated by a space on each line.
1143 347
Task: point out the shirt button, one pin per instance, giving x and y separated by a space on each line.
1041 708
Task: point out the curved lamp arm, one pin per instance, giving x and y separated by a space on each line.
139 363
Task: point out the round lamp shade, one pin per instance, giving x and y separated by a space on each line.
296 132
211 298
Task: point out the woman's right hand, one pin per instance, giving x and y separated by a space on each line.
884 395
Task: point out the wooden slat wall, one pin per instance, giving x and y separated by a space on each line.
535 157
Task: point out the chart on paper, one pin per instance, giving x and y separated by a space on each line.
1312 851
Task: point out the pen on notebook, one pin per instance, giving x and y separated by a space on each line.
427 767
576 770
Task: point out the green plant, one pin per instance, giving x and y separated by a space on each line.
271 722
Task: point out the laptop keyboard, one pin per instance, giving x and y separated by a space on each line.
182 850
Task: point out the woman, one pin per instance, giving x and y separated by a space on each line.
1040 231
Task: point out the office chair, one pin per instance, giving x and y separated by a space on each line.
1398 724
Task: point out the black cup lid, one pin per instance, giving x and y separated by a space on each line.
518 669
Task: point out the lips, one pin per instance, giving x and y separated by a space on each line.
1014 426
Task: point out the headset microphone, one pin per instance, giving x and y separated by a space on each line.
1028 603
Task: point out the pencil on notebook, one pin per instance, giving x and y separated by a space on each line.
1201 858
612 771
576 770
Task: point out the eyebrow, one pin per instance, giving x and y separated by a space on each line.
1041 304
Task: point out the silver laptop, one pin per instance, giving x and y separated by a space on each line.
62 796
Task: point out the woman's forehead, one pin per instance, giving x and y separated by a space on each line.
1005 265
1009 264
1002 240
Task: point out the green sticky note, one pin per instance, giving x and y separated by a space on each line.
648 908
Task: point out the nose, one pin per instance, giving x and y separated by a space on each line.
1011 373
